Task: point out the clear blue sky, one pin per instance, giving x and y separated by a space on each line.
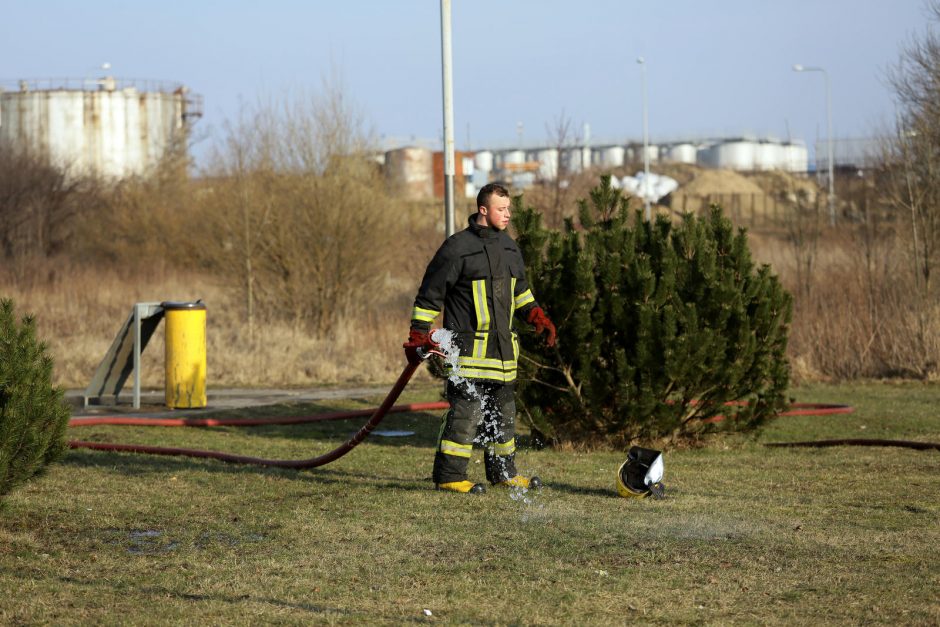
721 67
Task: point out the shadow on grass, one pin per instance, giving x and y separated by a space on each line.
160 593
143 465
581 490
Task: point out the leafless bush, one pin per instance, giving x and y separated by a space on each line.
864 318
297 216
39 204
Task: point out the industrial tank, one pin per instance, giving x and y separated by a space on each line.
548 163
651 149
572 160
483 160
796 158
732 155
768 156
511 158
109 127
610 156
681 153
409 172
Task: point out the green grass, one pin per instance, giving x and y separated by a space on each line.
748 534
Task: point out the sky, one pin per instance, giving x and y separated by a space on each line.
719 68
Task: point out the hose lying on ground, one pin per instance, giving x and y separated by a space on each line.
377 414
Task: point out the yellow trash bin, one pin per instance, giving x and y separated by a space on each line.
185 354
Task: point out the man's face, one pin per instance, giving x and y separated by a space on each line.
497 214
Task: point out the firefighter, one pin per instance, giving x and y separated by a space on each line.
477 279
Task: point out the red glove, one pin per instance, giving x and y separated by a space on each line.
538 318
416 339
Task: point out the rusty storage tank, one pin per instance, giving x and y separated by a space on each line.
408 171
460 175
109 127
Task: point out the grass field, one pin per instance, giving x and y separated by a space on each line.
747 534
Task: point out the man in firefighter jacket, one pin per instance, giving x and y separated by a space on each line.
477 279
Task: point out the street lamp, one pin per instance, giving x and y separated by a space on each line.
646 142
448 89
832 193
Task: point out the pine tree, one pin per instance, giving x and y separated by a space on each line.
33 417
660 326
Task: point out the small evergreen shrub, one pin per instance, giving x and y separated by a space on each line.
660 326
33 416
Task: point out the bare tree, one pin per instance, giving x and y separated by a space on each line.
303 225
38 203
915 162
562 138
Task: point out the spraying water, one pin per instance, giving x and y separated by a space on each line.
489 433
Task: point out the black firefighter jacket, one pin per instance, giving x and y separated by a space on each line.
477 278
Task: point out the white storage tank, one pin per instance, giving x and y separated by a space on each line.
483 160
652 150
796 158
466 165
571 160
548 163
611 156
110 128
682 153
511 157
733 155
768 156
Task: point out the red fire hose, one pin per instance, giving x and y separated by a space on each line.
796 409
377 415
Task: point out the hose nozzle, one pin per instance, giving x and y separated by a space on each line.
433 347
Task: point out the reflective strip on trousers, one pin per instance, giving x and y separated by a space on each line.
504 448
449 447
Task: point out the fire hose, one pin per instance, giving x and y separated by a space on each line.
376 416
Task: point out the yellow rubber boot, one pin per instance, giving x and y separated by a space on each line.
463 487
522 482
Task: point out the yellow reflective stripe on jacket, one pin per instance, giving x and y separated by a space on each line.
512 307
483 318
456 448
424 315
523 299
505 448
493 375
486 362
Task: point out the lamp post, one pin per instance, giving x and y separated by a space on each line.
829 157
646 142
447 65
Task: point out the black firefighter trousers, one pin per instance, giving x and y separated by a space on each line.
481 412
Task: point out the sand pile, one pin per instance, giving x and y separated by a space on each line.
708 182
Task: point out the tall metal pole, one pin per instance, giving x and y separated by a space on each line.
829 142
447 63
646 143
829 139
